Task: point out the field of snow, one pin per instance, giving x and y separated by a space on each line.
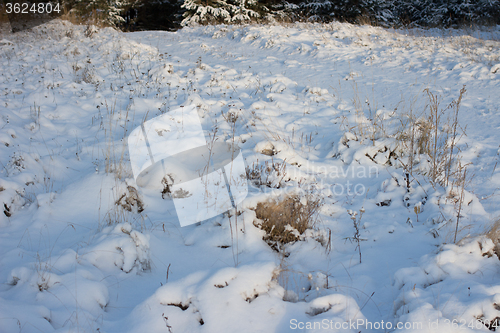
319 111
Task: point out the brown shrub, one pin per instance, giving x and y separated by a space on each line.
494 234
285 220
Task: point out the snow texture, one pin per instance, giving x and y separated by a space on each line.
317 110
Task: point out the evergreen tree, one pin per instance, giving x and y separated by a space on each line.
317 10
172 14
106 12
487 11
244 12
154 15
219 11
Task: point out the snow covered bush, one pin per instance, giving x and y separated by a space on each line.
220 11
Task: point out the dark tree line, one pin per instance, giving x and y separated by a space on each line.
172 14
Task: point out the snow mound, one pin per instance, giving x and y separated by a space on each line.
120 246
453 288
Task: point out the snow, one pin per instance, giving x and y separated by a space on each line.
85 246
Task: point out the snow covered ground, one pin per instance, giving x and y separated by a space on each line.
318 109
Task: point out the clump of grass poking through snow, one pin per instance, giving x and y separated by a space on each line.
494 234
130 200
356 219
286 220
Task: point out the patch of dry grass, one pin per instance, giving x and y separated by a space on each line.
285 220
494 234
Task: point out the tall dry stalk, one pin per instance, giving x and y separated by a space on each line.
456 107
460 204
435 120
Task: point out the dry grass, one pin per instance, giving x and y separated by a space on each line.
271 174
494 235
285 220
434 135
131 200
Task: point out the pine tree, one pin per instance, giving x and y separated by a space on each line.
205 12
317 10
154 15
386 13
219 11
487 11
105 12
244 12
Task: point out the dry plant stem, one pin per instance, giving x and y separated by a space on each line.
435 120
456 104
235 255
358 110
357 235
460 206
412 142
436 140
231 119
357 240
